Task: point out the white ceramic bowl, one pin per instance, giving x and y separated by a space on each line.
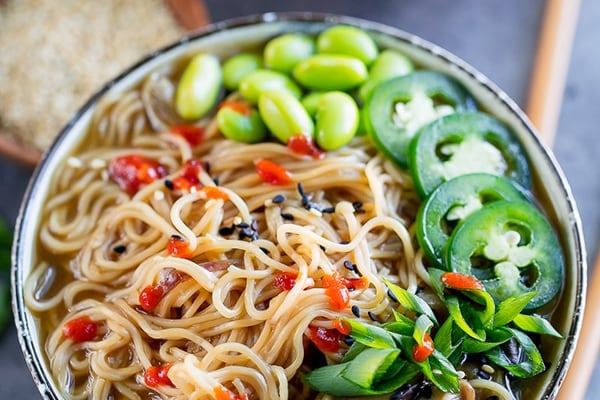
224 38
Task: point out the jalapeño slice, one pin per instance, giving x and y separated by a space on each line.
399 107
464 143
512 249
452 202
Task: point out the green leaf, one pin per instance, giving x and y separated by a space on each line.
355 349
535 324
411 301
400 327
510 308
532 364
405 372
441 372
329 380
485 316
443 338
422 326
370 366
371 335
454 309
435 276
494 339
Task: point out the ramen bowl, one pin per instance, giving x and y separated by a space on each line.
226 38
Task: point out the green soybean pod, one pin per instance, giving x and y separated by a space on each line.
337 120
330 72
237 67
240 127
284 115
348 40
311 102
199 87
264 80
389 64
284 52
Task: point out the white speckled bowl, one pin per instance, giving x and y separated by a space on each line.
224 38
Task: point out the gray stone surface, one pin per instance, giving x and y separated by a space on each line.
496 37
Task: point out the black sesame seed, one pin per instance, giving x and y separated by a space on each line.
483 374
328 210
216 180
248 233
254 225
176 237
207 167
356 311
226 230
287 216
357 205
493 398
372 316
349 340
169 184
348 265
357 272
344 242
264 250
419 290
323 248
300 188
392 296
119 249
243 225
278 199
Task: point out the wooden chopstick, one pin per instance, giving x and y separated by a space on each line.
543 107
191 14
24 154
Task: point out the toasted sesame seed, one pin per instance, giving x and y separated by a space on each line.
488 368
97 163
278 199
158 195
356 311
74 162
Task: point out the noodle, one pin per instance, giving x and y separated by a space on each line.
221 321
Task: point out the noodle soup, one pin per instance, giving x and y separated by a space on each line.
190 244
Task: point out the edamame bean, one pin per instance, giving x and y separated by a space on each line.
241 127
311 102
337 120
284 115
285 51
199 87
237 67
330 72
264 80
348 40
389 64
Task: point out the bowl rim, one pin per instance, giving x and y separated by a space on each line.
35 362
